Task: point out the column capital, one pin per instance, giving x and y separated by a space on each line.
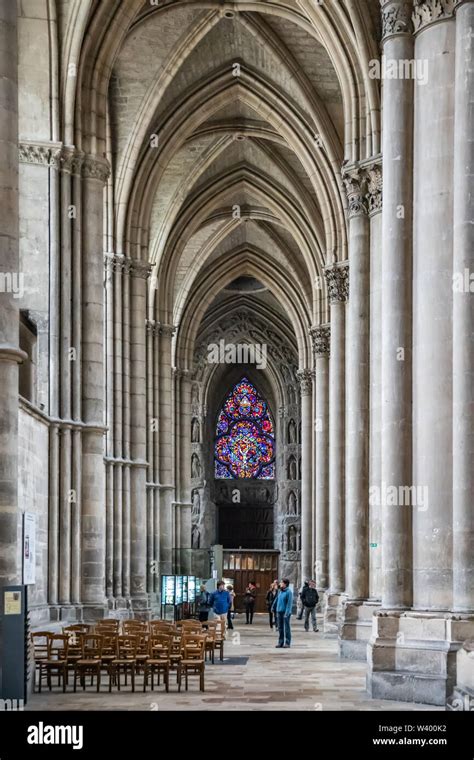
71 160
375 188
139 268
354 180
97 168
337 279
305 378
396 18
427 12
321 337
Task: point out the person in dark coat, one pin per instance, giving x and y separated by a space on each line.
250 599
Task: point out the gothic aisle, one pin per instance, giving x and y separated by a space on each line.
236 343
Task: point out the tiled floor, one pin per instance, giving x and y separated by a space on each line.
254 675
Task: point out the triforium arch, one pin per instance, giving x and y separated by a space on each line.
197 171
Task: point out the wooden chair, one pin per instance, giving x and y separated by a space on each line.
108 625
109 651
220 638
56 663
176 651
40 642
158 660
210 640
90 662
75 649
142 648
126 660
192 661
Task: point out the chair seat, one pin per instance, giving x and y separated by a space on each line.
123 662
193 663
88 663
158 662
54 663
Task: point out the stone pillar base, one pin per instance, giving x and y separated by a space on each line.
356 628
462 698
412 655
332 609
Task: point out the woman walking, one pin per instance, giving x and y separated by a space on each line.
249 601
271 594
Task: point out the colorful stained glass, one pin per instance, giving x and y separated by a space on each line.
245 443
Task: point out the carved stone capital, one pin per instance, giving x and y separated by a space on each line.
428 12
71 161
337 278
141 269
396 17
166 331
96 168
354 185
321 340
374 187
305 379
39 153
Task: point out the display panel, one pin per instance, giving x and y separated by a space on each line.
168 589
191 588
178 597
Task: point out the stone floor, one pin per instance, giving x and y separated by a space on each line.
254 675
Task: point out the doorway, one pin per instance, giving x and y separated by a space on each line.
244 566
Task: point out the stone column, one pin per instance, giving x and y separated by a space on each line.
10 354
321 344
138 514
396 469
463 314
357 393
375 379
165 447
306 386
95 173
432 309
337 277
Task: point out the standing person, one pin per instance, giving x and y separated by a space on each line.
299 602
310 598
283 605
203 602
221 601
250 598
230 611
270 598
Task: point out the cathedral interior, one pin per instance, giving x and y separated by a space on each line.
228 318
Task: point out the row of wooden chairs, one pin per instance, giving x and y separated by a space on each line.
90 654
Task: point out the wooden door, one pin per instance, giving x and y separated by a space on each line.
243 567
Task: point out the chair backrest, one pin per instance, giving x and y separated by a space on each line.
127 647
77 628
160 625
107 625
109 644
220 629
194 630
40 641
159 646
193 647
76 641
92 646
58 646
129 626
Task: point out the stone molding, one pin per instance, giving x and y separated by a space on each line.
66 158
321 337
135 267
12 354
305 379
158 328
427 12
337 279
396 18
40 153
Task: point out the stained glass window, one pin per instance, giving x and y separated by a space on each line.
245 441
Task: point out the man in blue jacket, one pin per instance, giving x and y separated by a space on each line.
283 606
221 601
